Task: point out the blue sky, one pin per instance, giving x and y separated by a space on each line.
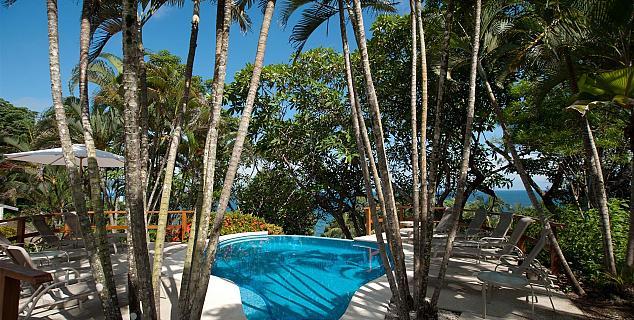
24 77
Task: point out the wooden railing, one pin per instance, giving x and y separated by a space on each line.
180 228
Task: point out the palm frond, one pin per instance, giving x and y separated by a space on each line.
289 7
311 19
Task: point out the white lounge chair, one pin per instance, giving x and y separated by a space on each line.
514 277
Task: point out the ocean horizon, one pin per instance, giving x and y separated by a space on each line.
512 198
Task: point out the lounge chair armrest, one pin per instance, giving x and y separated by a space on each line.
66 272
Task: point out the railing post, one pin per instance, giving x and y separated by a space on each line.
368 221
183 225
9 297
20 230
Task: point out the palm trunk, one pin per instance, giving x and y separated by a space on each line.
444 65
421 274
436 145
140 275
526 181
223 22
466 153
392 232
109 301
596 172
171 161
100 244
201 286
629 255
415 172
357 118
598 188
183 298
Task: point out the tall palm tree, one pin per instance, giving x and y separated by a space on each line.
392 230
466 153
317 14
423 227
101 244
201 288
171 159
364 149
138 258
191 281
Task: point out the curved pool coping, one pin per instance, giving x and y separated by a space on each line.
223 300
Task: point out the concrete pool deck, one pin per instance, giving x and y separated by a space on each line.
461 293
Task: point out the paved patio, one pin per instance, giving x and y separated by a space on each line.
461 293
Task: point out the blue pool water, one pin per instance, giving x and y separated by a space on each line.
296 277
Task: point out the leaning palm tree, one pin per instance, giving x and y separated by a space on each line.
101 244
466 153
389 209
171 159
199 288
190 300
138 259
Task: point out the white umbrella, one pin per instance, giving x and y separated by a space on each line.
55 157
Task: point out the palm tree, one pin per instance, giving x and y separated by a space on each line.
312 18
171 159
392 231
190 299
423 226
466 152
139 265
364 149
101 244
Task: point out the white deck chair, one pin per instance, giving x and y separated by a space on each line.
514 276
441 228
47 256
62 289
491 247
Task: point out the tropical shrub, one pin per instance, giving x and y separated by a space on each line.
237 222
580 238
7 231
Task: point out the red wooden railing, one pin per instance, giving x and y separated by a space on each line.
181 228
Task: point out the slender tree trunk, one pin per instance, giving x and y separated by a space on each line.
440 95
466 153
141 275
109 301
425 220
436 145
598 188
100 241
629 255
519 167
187 265
363 160
223 22
417 292
201 286
171 160
393 234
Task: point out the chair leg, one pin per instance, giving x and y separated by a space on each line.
484 300
533 301
550 296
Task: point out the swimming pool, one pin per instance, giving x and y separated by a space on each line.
296 277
